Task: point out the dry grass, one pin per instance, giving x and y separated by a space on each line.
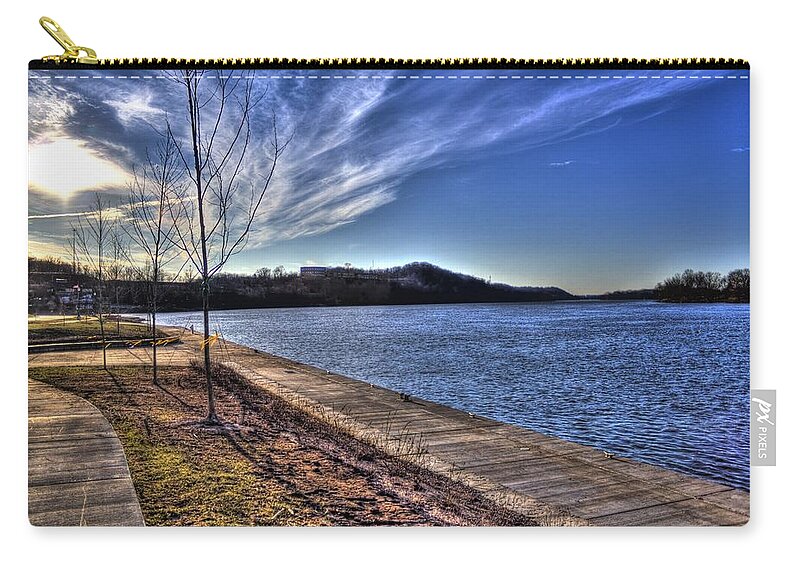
270 464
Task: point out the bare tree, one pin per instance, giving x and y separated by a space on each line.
214 217
115 268
150 226
93 236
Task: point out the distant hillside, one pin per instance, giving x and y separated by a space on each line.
424 280
414 283
411 284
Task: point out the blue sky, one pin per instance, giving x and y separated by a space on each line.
590 184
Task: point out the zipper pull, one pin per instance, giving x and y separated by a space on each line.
72 52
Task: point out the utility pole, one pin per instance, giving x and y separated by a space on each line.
74 257
75 274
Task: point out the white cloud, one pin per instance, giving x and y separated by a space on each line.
135 106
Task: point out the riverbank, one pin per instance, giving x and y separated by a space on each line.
271 464
567 369
547 480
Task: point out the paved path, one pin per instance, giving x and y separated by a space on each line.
77 472
519 467
526 470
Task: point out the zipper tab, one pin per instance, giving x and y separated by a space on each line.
72 52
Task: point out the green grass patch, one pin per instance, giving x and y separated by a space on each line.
88 328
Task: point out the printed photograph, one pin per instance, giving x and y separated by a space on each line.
395 297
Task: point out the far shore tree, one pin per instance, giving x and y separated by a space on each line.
214 216
151 228
705 286
93 236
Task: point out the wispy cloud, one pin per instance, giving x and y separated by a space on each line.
355 142
53 216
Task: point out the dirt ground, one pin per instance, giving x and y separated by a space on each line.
269 464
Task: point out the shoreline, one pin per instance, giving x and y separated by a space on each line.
453 385
182 329
455 439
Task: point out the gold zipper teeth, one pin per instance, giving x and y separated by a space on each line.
387 63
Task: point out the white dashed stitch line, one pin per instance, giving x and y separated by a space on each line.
382 77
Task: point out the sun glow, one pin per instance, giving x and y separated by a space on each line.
64 166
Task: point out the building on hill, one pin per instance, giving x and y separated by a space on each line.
313 271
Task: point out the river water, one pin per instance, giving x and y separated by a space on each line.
666 384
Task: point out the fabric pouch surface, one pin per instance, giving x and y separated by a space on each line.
488 293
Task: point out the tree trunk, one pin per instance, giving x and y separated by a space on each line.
155 363
116 301
212 413
103 334
194 107
102 322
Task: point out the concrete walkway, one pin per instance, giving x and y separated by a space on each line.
77 471
519 468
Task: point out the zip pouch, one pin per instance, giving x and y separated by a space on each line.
378 292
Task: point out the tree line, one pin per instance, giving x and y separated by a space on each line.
705 286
